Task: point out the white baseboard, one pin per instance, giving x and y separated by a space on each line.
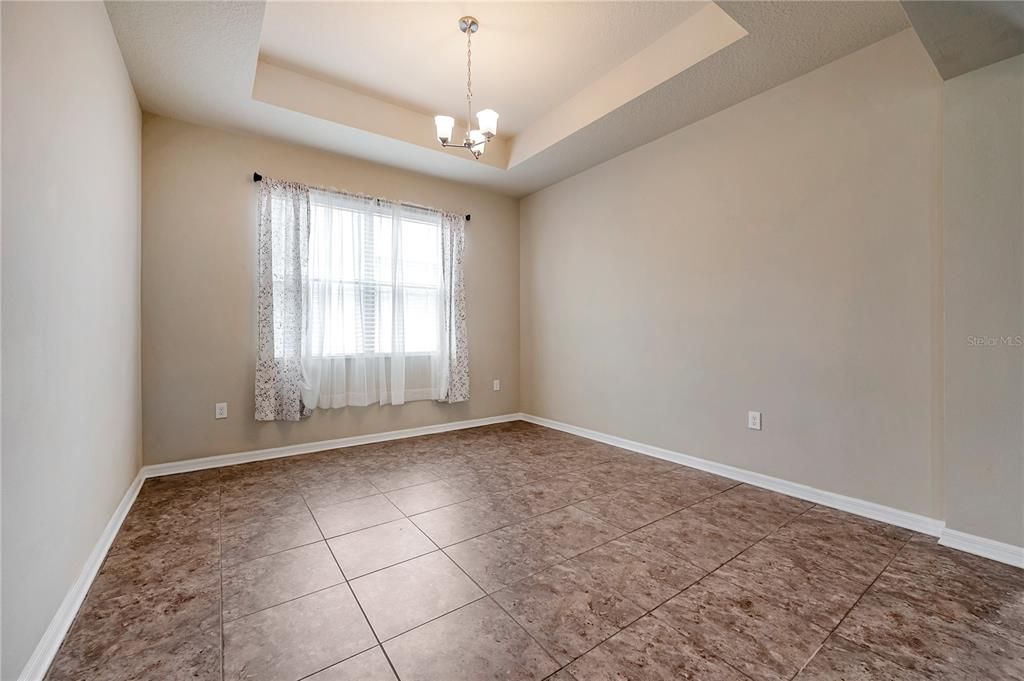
986 548
867 509
47 648
189 465
48 645
969 543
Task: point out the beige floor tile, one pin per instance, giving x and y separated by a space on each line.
297 638
356 514
377 547
478 642
277 578
406 595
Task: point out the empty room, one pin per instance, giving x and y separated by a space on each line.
512 341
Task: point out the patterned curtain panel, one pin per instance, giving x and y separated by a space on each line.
361 301
283 264
455 340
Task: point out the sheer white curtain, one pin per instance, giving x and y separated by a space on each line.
375 303
360 301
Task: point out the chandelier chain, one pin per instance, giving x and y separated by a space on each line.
469 82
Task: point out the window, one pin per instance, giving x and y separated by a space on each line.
360 301
374 279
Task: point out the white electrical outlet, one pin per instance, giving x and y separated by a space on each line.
497 385
221 410
754 420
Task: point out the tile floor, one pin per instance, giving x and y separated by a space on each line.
515 552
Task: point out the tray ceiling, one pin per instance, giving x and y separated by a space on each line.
527 57
575 83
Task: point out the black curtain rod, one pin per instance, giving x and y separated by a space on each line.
256 177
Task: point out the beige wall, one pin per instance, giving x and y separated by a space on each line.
983 180
71 414
198 290
780 256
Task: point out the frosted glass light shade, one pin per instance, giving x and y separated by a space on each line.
444 125
488 119
478 136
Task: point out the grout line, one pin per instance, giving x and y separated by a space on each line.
488 596
566 505
98 666
435 618
715 570
287 600
442 548
220 532
505 492
335 664
236 564
220 543
918 606
626 533
298 488
519 624
373 631
825 569
353 593
498 492
483 591
565 559
368 527
697 581
772 532
385 567
852 607
998 631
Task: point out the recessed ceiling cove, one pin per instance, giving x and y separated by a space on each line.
550 68
575 83
528 57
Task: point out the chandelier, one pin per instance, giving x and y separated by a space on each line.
475 139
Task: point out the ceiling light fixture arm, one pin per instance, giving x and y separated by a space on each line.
468 144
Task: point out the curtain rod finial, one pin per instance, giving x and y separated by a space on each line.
468 216
256 177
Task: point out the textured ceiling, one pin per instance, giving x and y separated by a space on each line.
527 57
964 36
197 61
